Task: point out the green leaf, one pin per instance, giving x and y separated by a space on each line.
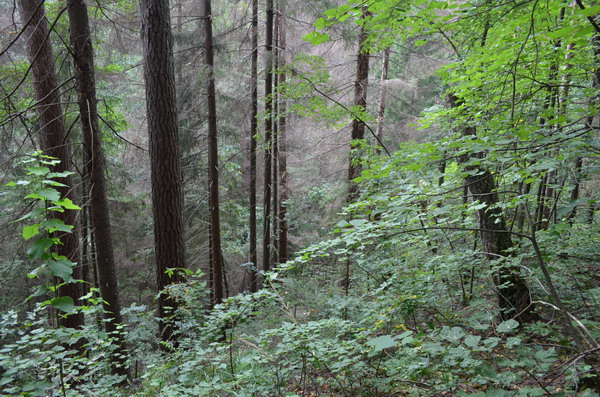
358 222
45 194
39 247
381 342
31 231
38 170
63 174
316 38
454 334
64 303
343 223
589 11
66 204
507 326
563 32
40 291
61 268
53 225
321 23
472 340
50 182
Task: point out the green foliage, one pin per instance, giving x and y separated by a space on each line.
46 199
39 360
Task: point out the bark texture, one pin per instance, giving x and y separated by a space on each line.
165 167
253 255
83 56
382 96
360 100
282 150
268 159
213 160
513 293
53 138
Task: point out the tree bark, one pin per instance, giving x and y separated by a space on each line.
360 101
213 159
275 139
83 56
267 238
282 152
253 255
53 137
163 132
512 292
382 96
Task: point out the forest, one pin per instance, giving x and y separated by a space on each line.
299 198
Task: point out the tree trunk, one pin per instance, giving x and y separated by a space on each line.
167 193
268 140
252 255
282 152
512 291
83 55
53 138
213 160
360 101
275 139
382 96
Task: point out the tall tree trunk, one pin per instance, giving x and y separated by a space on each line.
213 159
253 255
512 291
382 96
83 56
163 132
268 140
275 139
360 101
53 138
282 153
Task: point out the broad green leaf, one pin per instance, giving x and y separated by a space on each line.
63 174
40 291
589 11
38 170
321 23
45 194
472 340
53 225
61 268
507 326
31 231
39 247
454 334
67 204
50 182
381 342
64 303
316 38
343 223
358 222
491 342
433 348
